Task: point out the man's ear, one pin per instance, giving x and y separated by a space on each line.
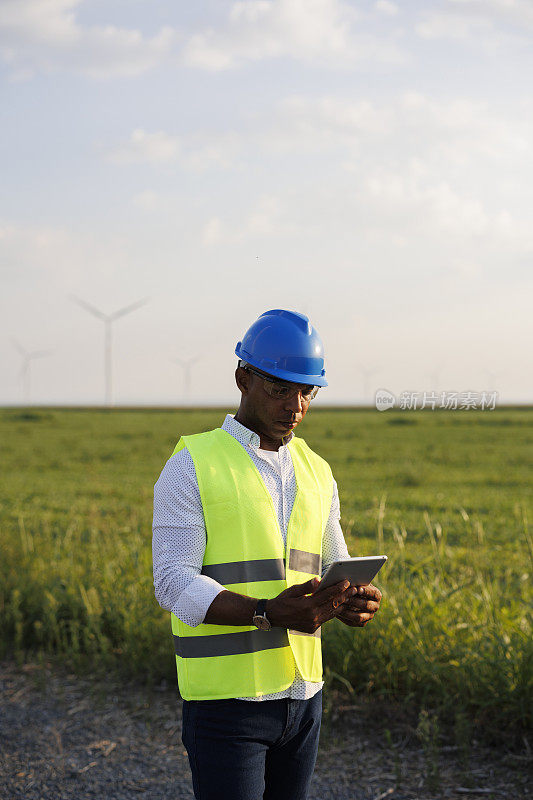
242 379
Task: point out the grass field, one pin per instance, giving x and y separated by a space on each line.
445 494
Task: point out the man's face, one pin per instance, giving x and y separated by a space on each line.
272 417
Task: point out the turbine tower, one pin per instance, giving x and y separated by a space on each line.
434 379
186 365
492 378
108 320
367 374
24 374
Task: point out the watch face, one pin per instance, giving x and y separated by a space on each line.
262 623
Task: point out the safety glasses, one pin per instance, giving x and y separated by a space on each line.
283 391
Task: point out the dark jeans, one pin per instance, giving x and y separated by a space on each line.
246 750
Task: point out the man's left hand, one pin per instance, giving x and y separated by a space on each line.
361 607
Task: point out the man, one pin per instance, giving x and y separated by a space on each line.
246 520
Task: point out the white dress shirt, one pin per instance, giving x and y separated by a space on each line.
179 535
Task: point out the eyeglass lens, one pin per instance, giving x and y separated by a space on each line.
282 390
287 392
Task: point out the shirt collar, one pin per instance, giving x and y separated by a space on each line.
244 435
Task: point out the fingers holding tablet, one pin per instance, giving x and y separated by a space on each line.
369 592
359 609
354 619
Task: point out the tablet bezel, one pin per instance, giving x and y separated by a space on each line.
371 566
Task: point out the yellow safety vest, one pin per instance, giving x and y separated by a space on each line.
245 553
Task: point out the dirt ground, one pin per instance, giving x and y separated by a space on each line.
65 737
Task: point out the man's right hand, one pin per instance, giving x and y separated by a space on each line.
302 608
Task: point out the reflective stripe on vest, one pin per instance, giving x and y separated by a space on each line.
301 561
227 644
263 569
245 553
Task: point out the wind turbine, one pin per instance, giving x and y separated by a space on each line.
108 320
24 374
186 365
367 374
434 378
492 378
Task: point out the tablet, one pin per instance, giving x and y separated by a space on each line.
358 571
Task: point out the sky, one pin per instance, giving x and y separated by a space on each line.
369 164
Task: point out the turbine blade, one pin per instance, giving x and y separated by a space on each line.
91 309
19 347
40 353
126 310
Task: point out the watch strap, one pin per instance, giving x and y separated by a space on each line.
260 608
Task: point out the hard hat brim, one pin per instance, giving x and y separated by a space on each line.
276 371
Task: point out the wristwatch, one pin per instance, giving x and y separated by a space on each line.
260 618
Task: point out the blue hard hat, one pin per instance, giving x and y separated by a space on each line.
284 344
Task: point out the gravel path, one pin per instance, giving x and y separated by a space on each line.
63 737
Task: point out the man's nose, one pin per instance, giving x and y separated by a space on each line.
294 403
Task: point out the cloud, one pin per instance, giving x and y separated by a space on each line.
412 169
268 217
401 170
147 200
409 199
26 249
47 261
461 133
44 36
201 152
311 124
436 25
516 12
213 232
143 147
386 7
489 24
411 125
447 135
322 31
197 153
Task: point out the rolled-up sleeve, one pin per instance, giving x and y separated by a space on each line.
178 543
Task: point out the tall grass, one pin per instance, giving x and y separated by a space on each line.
454 631
84 591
